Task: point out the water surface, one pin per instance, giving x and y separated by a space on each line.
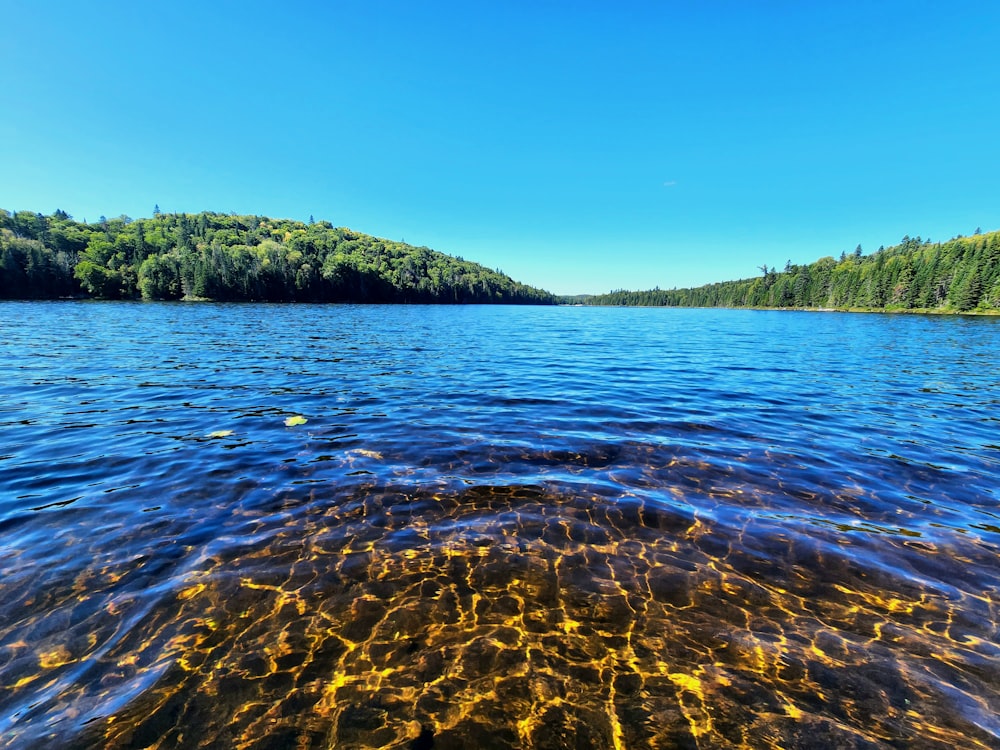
498 527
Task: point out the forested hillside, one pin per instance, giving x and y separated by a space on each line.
228 257
960 275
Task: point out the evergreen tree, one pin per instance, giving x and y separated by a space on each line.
959 275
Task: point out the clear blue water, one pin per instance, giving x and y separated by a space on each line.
497 527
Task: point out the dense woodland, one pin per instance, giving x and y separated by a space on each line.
961 275
228 257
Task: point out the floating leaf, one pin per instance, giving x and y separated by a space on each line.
366 453
220 433
296 420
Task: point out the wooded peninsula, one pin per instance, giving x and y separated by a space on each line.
961 275
226 257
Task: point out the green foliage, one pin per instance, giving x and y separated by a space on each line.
230 257
37 256
97 280
160 277
960 275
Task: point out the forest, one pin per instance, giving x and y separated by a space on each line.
960 275
226 257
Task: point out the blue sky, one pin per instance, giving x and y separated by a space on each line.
577 146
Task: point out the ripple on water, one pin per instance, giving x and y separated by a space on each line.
496 528
519 608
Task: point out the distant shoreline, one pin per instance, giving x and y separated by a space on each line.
960 276
883 310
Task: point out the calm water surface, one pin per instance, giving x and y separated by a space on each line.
497 528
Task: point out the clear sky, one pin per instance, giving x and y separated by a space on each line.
577 146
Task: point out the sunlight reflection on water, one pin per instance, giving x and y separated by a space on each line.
498 527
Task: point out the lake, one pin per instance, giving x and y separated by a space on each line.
302 526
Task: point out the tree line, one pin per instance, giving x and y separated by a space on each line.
960 275
227 257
